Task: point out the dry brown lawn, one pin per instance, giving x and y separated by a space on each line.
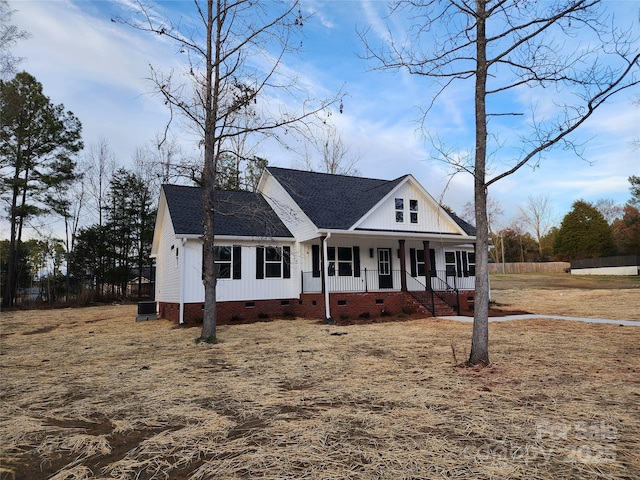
90 393
591 296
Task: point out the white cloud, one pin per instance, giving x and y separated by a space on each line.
97 68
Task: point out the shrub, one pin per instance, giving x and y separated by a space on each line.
408 310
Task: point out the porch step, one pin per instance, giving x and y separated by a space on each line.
442 309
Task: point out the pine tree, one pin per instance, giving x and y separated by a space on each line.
37 143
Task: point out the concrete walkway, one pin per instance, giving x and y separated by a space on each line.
508 318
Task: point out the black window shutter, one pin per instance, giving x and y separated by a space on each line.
412 261
315 260
286 262
237 262
259 262
356 261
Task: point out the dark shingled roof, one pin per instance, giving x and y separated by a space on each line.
238 213
339 201
467 227
333 201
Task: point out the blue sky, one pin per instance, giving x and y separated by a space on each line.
97 69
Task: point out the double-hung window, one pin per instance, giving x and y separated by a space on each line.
413 211
222 261
399 203
460 264
344 260
227 261
273 262
419 264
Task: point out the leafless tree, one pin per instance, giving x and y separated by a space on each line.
167 161
9 36
494 210
498 49
322 138
537 216
610 210
98 165
235 52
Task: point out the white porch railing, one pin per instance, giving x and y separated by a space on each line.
371 281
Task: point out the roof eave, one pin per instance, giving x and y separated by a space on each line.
450 237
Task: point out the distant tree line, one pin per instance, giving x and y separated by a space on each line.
588 230
107 213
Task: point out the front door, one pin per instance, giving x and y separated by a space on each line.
385 279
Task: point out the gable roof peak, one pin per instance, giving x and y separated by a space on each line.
333 201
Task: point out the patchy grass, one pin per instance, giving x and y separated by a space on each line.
90 393
593 296
553 281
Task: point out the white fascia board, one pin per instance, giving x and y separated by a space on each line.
161 212
290 213
232 238
188 236
448 238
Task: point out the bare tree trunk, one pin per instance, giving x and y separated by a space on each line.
209 319
480 336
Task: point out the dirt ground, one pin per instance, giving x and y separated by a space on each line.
92 394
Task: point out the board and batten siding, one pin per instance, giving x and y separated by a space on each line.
167 269
431 218
193 285
246 288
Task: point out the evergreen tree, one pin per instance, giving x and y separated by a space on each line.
130 226
584 233
37 142
89 262
236 173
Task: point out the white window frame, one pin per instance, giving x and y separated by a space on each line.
399 209
413 211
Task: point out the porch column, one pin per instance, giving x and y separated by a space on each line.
427 264
403 267
325 276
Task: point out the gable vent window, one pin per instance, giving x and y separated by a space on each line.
399 210
413 211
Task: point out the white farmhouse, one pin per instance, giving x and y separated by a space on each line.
315 245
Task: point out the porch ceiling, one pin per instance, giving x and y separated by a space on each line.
434 237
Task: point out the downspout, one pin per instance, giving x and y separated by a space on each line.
183 269
325 253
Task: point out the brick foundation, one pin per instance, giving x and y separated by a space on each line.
466 299
310 305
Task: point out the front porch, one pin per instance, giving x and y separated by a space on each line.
440 286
